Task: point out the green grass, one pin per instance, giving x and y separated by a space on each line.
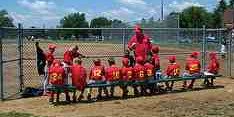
16 114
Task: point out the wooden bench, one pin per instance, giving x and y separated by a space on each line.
69 88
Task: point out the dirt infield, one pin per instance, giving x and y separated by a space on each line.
218 102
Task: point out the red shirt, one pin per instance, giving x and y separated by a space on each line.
193 65
127 73
149 69
56 75
156 61
213 66
173 69
79 76
139 71
97 73
69 56
49 58
142 47
113 73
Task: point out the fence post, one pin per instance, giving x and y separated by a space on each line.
204 44
20 56
230 53
124 34
1 65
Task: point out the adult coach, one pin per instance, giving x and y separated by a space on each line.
140 43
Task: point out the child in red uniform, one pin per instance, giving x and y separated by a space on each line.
150 71
155 57
78 78
96 75
71 54
129 57
139 74
112 74
127 75
56 78
49 60
172 71
193 68
212 68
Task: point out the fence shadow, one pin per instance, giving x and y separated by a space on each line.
116 98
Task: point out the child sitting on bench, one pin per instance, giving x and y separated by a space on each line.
155 58
78 78
212 68
140 75
56 80
172 71
150 72
193 68
127 75
112 74
96 76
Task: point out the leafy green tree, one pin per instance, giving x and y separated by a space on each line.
116 23
5 20
74 20
100 22
231 4
194 17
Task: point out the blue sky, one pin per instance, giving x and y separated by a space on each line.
49 12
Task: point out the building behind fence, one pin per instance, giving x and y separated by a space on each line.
18 55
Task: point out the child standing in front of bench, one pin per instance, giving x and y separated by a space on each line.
78 76
139 75
212 68
127 75
56 79
97 76
193 68
150 71
155 58
172 71
112 74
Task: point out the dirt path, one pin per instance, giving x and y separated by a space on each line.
217 102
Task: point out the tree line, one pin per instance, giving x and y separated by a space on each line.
191 17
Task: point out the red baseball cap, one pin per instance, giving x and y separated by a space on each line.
56 63
139 59
155 49
172 58
213 55
195 54
125 61
51 46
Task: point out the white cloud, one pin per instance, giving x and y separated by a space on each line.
121 13
133 2
39 6
176 6
18 18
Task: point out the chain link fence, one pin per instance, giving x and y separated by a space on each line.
101 43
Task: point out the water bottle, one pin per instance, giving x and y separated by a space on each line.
158 75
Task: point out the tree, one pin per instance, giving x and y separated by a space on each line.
118 24
74 20
100 22
218 14
5 20
194 17
231 4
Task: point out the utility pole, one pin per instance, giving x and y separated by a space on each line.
162 10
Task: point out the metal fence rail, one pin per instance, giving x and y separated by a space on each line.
98 43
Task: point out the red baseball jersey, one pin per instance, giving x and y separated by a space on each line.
56 75
213 66
127 73
173 69
97 73
139 72
149 68
113 73
79 76
193 65
69 56
156 61
49 58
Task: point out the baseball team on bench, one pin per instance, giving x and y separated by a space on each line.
143 66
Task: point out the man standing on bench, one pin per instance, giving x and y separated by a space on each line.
193 68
